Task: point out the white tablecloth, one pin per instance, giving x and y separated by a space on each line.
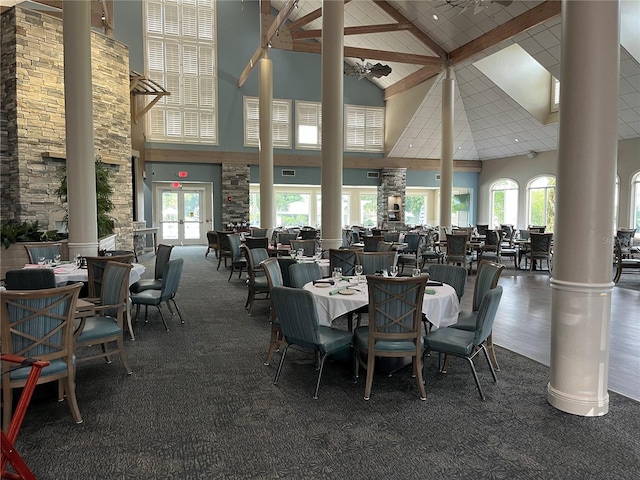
441 309
70 273
323 263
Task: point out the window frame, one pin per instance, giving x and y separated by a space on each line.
546 189
493 190
278 105
368 130
317 106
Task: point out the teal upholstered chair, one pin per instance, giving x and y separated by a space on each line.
429 248
458 252
273 273
238 261
409 255
391 236
371 242
285 263
39 324
467 344
394 330
258 232
539 250
95 271
492 247
373 262
302 273
343 258
308 247
170 282
107 328
48 251
30 279
486 279
296 311
162 257
257 284
451 275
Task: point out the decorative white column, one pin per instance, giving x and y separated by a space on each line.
267 208
446 162
81 176
332 122
585 190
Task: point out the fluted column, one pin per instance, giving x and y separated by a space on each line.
446 162
81 177
585 190
267 209
332 122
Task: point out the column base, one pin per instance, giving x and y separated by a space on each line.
585 407
329 243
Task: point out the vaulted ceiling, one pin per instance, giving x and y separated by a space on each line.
415 37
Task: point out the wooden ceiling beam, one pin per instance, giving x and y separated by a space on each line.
307 19
412 80
361 30
387 56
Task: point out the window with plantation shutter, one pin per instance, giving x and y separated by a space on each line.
281 122
363 129
308 125
180 41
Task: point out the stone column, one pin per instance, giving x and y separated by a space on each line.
332 122
267 209
446 162
81 178
581 283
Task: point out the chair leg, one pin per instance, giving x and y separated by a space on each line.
107 357
284 353
70 388
175 305
486 355
475 377
417 372
371 358
123 355
492 353
230 273
445 366
322 359
276 339
162 317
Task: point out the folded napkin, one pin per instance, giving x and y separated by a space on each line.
434 284
330 282
429 291
337 290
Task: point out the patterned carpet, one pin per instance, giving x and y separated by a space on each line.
201 405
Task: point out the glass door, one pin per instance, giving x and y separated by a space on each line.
180 216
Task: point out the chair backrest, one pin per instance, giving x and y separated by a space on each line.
296 311
257 242
625 236
354 237
39 323
284 238
285 263
234 246
373 262
163 255
537 228
346 238
223 241
391 236
30 279
308 233
412 240
212 238
308 246
508 231
95 271
524 234
302 273
371 242
395 308
254 257
343 258
487 314
486 279
48 251
115 287
272 270
481 229
453 275
457 244
171 279
493 241
258 232
541 243
384 246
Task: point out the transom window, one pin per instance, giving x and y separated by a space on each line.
364 128
504 202
180 49
308 125
281 122
542 202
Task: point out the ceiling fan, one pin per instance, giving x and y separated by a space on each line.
366 70
478 5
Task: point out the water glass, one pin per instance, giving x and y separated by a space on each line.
393 270
359 270
337 274
41 260
300 253
416 272
57 258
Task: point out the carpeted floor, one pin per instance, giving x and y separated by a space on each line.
201 405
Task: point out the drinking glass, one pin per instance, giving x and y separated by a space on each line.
41 260
359 271
416 272
293 253
57 258
300 253
337 274
393 270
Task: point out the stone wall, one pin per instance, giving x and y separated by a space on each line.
235 193
32 95
393 182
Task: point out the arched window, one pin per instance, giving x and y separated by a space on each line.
542 202
504 202
635 199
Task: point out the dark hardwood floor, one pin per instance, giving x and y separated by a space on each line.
523 325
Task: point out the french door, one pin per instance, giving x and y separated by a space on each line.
180 215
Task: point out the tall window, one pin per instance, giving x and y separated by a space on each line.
415 209
555 94
368 209
281 122
308 125
542 202
635 198
292 209
180 48
504 202
364 128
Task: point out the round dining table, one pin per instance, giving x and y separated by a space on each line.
440 304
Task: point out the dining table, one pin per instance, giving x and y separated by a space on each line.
440 305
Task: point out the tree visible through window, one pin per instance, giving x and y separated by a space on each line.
504 202
542 202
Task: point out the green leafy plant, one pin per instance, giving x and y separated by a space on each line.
104 191
13 232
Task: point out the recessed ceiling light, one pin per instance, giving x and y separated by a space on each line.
516 140
410 145
459 148
435 17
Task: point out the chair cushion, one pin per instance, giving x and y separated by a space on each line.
332 339
55 366
146 297
361 335
260 283
146 284
450 340
466 321
96 328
